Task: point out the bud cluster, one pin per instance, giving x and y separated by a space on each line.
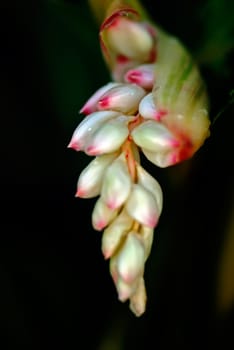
121 120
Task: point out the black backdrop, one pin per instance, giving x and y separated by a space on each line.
55 285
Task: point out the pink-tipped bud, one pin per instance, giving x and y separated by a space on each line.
102 215
154 137
142 75
91 178
151 184
109 137
161 159
129 38
142 206
131 258
116 183
91 105
138 299
124 98
115 233
88 125
148 110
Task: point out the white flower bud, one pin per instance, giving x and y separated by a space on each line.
161 159
91 105
154 137
115 233
91 178
88 125
109 137
142 206
130 258
124 98
147 108
116 183
142 75
102 215
151 184
130 39
138 299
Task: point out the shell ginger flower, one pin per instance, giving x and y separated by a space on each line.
157 105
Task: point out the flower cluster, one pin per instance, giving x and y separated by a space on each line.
121 120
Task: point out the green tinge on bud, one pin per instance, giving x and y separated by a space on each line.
102 215
142 206
123 98
138 299
114 234
109 137
151 184
129 38
131 258
88 125
162 160
116 183
91 178
154 137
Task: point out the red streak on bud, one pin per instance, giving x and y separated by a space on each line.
135 77
86 110
185 151
113 19
104 102
153 55
160 114
121 59
91 150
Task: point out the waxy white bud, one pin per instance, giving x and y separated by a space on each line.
114 234
147 108
142 75
91 105
109 137
130 39
151 184
102 215
138 299
91 178
88 125
116 183
142 206
154 137
123 98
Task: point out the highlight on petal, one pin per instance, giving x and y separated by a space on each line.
142 206
109 137
91 178
88 125
124 98
154 137
129 38
115 233
147 108
116 183
102 215
151 184
138 299
91 105
143 75
161 159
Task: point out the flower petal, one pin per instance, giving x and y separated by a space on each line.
91 105
151 184
102 215
91 178
115 233
142 206
124 98
88 126
154 137
109 137
116 183
142 75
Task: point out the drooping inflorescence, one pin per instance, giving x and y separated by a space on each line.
155 104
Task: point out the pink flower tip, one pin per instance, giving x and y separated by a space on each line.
74 145
104 102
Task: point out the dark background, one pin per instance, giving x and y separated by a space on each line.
56 290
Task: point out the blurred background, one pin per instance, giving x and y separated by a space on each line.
56 290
